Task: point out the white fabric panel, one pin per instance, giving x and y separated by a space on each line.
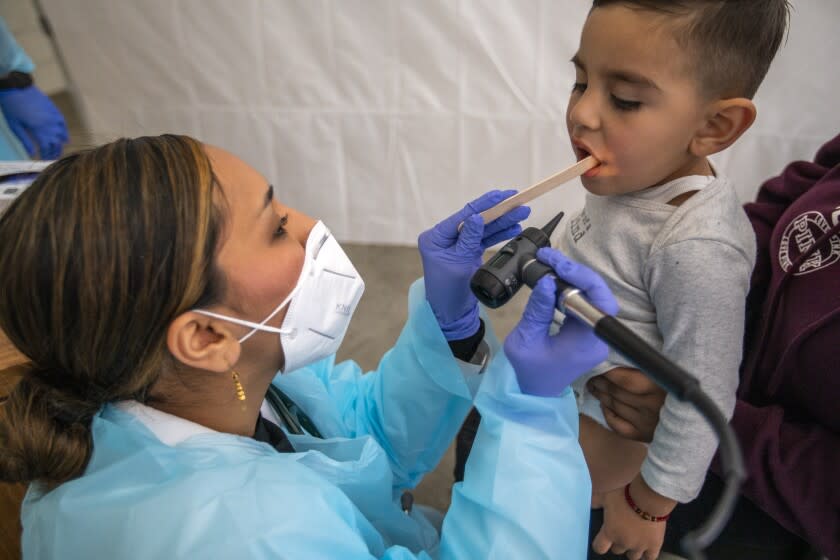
382 117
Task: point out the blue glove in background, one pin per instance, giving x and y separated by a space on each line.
450 258
31 115
545 365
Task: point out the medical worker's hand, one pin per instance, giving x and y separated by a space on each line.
546 364
34 118
450 258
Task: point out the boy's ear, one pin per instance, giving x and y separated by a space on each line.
201 342
727 120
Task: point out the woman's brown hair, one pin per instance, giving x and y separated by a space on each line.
98 256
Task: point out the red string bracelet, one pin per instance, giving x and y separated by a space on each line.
639 511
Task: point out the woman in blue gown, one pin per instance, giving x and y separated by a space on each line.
184 400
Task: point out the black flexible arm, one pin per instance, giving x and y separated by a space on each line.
685 387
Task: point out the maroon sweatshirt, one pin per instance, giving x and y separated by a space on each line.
787 416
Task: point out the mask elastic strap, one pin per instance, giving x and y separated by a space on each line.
312 254
254 326
261 326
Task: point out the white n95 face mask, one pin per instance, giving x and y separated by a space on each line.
322 303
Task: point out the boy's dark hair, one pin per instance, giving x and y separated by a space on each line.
732 42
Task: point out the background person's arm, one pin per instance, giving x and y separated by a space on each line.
12 56
773 199
630 401
791 455
792 470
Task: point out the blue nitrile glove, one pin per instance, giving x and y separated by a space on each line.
545 365
32 116
450 258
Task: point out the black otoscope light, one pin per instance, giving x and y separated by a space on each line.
496 282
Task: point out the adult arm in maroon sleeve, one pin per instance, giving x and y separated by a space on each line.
786 417
773 199
792 473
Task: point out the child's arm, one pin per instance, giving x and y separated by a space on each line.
613 461
699 289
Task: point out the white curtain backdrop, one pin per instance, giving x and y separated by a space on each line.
383 116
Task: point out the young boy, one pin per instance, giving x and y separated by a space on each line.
660 86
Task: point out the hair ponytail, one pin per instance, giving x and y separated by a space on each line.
45 433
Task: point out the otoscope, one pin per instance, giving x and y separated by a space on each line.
515 264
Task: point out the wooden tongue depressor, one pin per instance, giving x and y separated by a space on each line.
540 188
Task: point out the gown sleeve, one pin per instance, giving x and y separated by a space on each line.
12 56
412 404
526 491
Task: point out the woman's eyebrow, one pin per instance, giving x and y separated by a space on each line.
269 196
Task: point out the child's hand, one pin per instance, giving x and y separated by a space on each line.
624 531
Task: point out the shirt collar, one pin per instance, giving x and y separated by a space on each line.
672 189
168 428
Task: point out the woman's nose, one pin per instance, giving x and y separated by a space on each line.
300 225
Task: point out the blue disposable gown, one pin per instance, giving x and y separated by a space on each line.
12 58
526 492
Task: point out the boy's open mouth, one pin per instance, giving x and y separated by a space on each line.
582 152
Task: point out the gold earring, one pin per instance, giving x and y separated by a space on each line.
240 390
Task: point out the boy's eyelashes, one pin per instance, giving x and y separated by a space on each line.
624 104
617 102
